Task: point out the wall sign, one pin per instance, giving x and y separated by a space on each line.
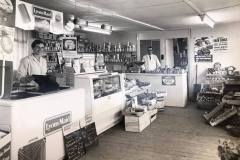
168 81
32 17
203 49
220 44
203 58
7 13
55 123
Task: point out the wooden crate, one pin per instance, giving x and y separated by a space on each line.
135 123
153 114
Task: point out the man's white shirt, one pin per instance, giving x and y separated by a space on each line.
151 62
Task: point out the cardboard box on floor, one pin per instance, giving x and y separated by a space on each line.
139 123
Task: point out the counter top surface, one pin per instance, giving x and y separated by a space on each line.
156 74
26 95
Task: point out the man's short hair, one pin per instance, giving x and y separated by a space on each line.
150 48
36 42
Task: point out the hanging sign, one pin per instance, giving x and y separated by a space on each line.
32 17
41 12
203 49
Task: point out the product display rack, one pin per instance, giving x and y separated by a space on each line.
116 61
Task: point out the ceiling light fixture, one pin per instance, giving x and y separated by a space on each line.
207 20
137 21
96 30
106 12
69 26
203 16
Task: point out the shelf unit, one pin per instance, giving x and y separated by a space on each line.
116 61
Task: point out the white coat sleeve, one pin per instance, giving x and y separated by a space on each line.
143 60
23 68
158 64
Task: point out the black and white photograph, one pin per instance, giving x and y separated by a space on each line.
119 80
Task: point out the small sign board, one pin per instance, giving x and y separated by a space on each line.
42 12
203 58
89 135
53 124
168 81
73 141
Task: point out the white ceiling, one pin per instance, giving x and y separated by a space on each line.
167 14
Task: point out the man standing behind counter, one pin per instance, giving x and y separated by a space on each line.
151 61
33 64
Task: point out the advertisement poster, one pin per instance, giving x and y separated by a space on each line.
203 49
31 17
7 15
220 45
84 64
6 42
168 81
69 47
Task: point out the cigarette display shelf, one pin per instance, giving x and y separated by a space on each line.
228 108
209 96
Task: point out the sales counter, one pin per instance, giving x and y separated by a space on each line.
174 84
32 117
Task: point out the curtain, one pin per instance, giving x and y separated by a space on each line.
22 46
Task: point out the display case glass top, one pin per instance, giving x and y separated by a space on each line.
104 86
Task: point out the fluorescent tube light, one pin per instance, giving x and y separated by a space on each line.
111 13
207 20
96 30
139 22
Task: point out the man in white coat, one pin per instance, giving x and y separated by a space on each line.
33 64
151 61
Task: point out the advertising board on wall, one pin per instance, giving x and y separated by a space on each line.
32 17
7 14
220 45
205 47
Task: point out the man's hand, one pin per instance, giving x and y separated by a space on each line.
26 79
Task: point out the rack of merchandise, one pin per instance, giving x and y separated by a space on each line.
116 56
116 61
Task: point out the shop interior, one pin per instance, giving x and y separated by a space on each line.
119 80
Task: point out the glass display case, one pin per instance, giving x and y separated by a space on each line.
105 98
106 86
